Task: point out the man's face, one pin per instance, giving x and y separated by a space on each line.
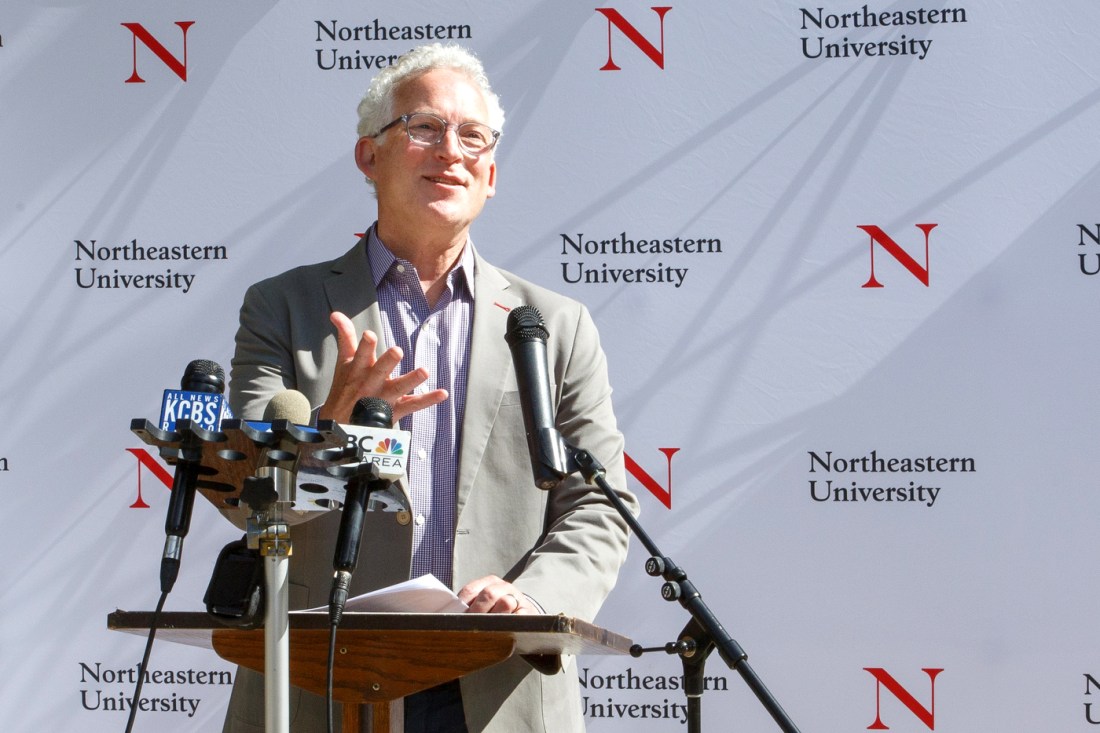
433 185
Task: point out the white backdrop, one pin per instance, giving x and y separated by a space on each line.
726 121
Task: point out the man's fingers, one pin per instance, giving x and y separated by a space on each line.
346 343
387 362
493 595
360 372
408 404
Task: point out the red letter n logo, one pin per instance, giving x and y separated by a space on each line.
663 495
144 459
614 19
884 679
899 254
138 32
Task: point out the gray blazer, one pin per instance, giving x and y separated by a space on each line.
563 548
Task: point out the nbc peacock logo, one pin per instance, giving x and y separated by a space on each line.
389 447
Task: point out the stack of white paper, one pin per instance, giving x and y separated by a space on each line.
419 595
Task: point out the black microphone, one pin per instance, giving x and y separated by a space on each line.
526 336
201 375
370 412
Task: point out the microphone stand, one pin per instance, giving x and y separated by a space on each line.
703 633
266 494
268 532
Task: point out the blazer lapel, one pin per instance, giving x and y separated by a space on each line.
490 365
350 289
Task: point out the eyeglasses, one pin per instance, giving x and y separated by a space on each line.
427 129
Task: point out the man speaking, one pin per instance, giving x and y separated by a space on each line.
414 315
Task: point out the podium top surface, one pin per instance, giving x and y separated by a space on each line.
532 633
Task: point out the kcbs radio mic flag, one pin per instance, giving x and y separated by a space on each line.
200 399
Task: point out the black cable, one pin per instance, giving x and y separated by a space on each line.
145 661
331 665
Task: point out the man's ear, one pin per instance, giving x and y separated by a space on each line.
366 155
492 179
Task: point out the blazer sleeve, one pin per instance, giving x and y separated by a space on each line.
262 362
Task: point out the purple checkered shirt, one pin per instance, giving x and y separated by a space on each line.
437 339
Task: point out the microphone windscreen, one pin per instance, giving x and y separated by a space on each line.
290 405
525 324
203 375
372 412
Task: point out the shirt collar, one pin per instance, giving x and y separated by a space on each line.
381 259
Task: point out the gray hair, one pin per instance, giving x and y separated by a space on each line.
376 108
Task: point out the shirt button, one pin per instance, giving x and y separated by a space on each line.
422 454
400 268
419 520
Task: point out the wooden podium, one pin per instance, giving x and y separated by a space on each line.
382 657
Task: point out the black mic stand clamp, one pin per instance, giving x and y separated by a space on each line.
703 633
266 528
